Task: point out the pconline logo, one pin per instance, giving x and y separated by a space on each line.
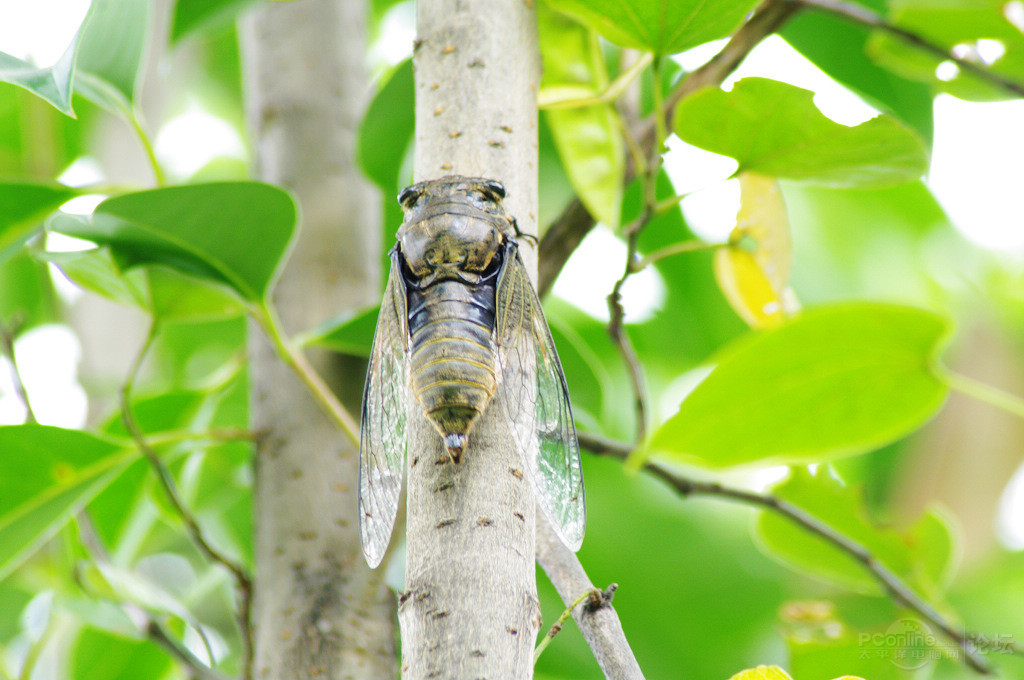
908 643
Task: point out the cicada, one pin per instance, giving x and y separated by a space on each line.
460 321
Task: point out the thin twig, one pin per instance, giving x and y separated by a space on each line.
862 15
7 347
599 626
892 583
569 229
155 632
617 330
243 583
556 627
616 312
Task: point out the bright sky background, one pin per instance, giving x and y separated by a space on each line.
977 175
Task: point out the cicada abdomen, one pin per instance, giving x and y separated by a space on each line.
452 355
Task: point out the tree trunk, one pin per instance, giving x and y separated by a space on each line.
319 612
470 609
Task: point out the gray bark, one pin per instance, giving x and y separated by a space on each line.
600 627
470 609
319 611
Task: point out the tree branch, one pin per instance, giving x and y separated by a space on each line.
600 627
243 583
890 582
569 229
859 14
155 632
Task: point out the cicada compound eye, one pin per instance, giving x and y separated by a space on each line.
495 187
410 195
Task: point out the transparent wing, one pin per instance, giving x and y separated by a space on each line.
537 401
383 441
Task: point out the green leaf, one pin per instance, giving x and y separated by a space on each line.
387 128
201 16
25 152
52 83
97 271
233 233
165 293
838 47
350 334
588 138
114 42
835 381
774 128
48 474
949 25
102 656
24 206
176 296
922 555
660 26
27 298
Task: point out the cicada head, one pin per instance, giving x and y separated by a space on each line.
454 228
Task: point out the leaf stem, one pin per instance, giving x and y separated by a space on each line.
243 582
890 582
1006 401
594 595
216 435
7 347
609 94
674 249
147 146
297 361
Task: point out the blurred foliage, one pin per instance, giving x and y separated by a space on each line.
835 216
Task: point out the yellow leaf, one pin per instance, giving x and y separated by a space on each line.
746 288
762 673
753 270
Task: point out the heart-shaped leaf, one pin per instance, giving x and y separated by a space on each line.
660 26
835 381
921 554
775 129
233 233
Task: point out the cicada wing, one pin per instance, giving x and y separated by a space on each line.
537 401
383 427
